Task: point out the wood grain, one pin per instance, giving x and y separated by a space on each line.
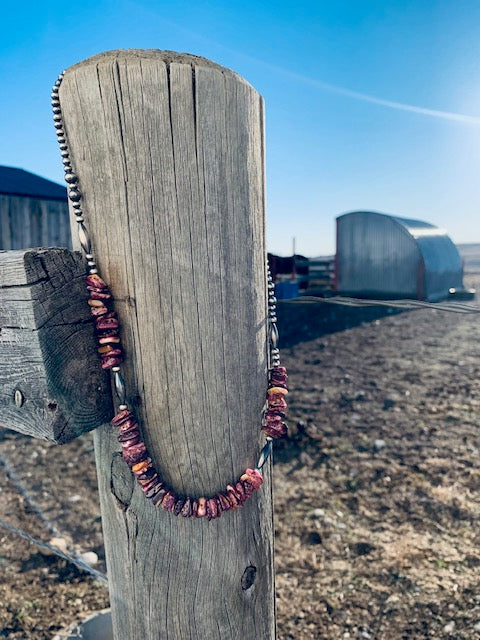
33 222
48 348
170 157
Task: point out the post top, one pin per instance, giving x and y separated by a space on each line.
167 57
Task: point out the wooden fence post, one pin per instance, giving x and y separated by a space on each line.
170 157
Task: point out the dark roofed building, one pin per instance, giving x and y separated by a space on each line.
33 211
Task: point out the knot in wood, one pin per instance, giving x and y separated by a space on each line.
248 577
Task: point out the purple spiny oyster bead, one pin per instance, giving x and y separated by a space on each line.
124 436
149 483
168 501
212 509
223 501
135 453
186 511
178 506
126 444
159 495
148 475
155 489
122 417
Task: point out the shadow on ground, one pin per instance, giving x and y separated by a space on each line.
301 321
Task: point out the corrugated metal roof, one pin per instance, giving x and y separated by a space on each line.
19 182
435 245
417 228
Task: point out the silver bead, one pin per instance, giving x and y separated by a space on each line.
76 205
71 178
18 398
84 238
56 109
57 116
61 140
89 256
273 334
54 93
79 219
265 452
119 386
58 125
121 407
91 263
55 102
92 271
74 195
63 146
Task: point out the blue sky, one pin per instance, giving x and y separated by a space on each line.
339 79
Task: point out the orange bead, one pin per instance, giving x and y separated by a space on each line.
277 390
105 349
140 466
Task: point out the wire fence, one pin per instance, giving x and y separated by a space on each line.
46 546
406 305
69 554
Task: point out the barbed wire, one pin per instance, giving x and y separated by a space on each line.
452 307
34 506
70 554
78 562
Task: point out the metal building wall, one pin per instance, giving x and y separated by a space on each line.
443 266
375 257
386 256
33 222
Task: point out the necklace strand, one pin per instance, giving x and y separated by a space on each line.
107 329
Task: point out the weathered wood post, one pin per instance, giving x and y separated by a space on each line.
169 153
50 387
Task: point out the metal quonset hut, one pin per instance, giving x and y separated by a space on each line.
384 256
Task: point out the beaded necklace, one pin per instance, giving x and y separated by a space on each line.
107 329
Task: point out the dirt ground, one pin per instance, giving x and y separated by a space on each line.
377 499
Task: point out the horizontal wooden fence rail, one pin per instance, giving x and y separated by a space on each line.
50 385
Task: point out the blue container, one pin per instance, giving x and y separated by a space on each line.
286 290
